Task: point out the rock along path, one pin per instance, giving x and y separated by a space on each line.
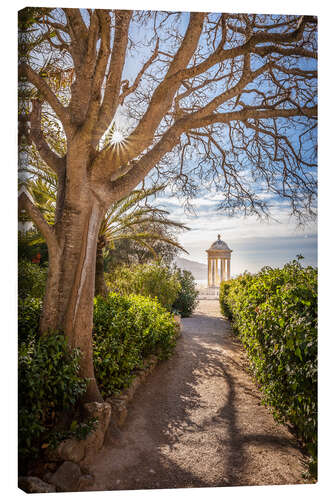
197 421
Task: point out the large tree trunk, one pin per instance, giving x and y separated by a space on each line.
68 301
100 285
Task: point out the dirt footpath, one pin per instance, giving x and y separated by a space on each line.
197 421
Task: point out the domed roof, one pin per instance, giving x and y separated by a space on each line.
219 244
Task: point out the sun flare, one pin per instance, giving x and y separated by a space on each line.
118 137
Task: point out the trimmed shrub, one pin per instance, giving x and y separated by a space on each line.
153 280
49 384
275 315
28 248
31 287
29 310
126 330
31 279
187 296
224 289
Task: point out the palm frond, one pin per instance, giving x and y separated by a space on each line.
46 175
144 236
124 220
130 201
145 244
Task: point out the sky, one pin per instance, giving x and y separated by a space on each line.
255 243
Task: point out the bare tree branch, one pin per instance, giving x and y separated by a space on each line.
25 203
49 96
54 161
100 68
248 113
195 93
129 89
111 96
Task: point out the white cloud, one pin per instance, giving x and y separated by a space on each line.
254 242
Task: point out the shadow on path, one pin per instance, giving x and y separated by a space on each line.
198 422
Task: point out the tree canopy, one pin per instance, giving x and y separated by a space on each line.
222 98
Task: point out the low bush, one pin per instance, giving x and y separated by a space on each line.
126 330
149 280
275 315
224 289
187 298
29 310
49 385
48 380
28 248
31 279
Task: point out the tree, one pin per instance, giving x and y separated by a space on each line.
128 252
217 92
131 218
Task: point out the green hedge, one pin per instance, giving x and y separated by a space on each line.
224 290
31 279
126 330
150 280
174 288
274 313
29 311
28 249
187 298
49 384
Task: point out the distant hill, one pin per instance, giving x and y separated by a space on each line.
198 270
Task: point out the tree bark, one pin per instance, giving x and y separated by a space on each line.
100 284
68 301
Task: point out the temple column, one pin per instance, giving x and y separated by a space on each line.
209 272
217 273
228 269
213 272
216 276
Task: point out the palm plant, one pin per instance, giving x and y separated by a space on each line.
133 218
130 218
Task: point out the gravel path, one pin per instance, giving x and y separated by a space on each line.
197 421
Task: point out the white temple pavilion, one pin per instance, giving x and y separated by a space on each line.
219 258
